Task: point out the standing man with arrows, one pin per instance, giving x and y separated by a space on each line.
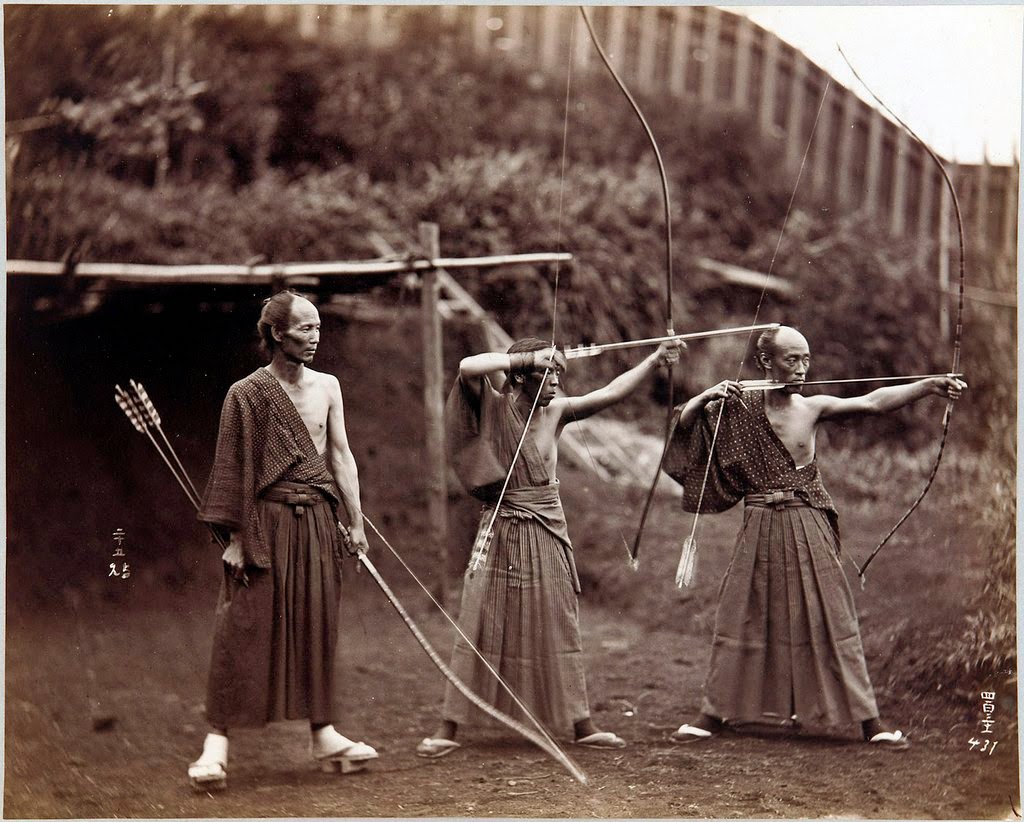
787 644
283 466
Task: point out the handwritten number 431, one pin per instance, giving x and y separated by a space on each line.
984 743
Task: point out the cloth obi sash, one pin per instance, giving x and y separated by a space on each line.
297 494
776 499
542 504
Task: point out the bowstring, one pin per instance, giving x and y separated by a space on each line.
955 366
757 310
559 243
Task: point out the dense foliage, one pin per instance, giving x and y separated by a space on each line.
265 146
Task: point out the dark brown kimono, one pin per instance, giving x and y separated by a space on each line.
275 639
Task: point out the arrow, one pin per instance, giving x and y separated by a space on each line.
771 385
577 351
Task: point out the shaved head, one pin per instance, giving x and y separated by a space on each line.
774 339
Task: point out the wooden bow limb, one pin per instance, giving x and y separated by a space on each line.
552 750
634 552
576 351
958 334
667 206
771 385
541 737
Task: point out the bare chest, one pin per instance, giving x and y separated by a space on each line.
795 428
311 403
545 436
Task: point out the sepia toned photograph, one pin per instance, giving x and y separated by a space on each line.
525 411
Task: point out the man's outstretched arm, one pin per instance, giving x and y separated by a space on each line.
624 384
719 391
883 400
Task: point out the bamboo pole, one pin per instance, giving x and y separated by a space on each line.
260 274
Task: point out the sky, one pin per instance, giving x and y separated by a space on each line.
952 72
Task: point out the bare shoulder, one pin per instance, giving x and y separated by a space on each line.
561 406
325 382
822 406
815 401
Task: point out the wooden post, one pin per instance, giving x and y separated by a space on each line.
712 48
481 34
796 142
873 171
616 47
898 222
981 208
1009 247
648 47
744 45
377 23
433 404
844 161
680 59
341 20
925 230
769 79
309 21
945 215
551 41
822 149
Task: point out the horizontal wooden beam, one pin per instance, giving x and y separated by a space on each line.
736 275
266 273
1007 299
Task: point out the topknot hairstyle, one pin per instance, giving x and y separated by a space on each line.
276 313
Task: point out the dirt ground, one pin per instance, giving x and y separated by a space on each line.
105 677
104 711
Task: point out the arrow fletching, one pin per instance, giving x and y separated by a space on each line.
125 403
761 385
146 402
581 350
481 548
687 562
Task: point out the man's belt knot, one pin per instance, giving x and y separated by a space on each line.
297 495
775 499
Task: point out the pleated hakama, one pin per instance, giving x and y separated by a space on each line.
521 610
787 640
274 641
